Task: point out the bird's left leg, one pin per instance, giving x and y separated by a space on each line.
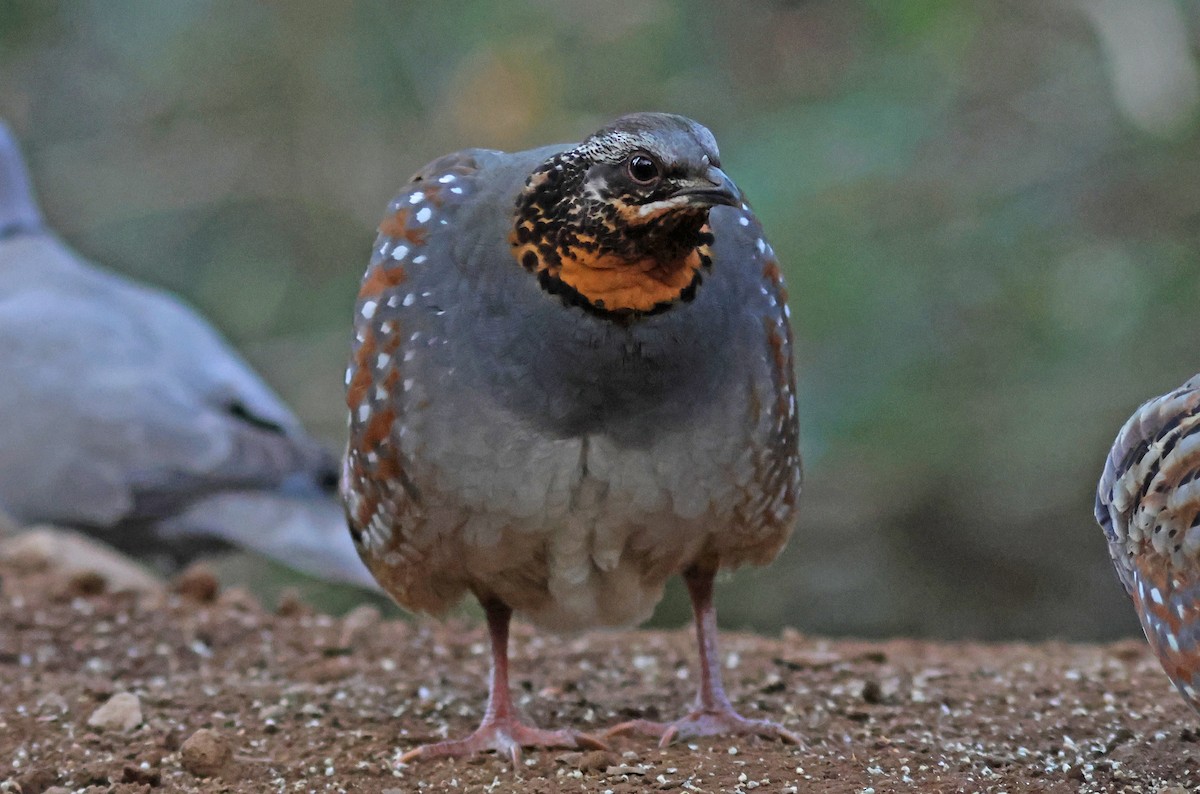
713 714
502 729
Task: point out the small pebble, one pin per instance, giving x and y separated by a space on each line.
85 584
197 582
290 604
357 624
595 760
205 753
121 712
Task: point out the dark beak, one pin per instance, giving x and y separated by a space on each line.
711 189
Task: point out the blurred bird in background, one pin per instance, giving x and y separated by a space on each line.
124 414
1148 503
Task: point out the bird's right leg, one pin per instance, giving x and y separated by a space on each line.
502 729
713 714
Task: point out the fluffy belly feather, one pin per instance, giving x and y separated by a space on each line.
572 532
577 533
584 533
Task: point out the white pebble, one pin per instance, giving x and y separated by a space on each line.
121 712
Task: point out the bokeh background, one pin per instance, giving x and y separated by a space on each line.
989 214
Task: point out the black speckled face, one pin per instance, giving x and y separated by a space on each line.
618 224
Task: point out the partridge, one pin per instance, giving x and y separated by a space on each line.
571 380
1148 503
123 413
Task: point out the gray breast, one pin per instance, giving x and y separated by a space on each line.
572 373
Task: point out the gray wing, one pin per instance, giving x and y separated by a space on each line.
122 406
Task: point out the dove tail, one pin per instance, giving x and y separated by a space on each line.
18 209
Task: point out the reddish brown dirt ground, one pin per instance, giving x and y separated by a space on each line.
307 702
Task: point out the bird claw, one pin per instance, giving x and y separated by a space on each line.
505 737
705 722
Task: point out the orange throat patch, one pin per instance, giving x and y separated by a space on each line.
612 284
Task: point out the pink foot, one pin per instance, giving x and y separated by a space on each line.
705 722
506 737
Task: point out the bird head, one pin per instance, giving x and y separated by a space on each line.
619 223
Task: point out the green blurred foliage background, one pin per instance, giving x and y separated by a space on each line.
989 214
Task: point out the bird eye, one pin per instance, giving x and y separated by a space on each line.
641 168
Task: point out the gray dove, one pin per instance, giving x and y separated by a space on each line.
126 415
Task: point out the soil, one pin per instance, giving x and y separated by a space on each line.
230 697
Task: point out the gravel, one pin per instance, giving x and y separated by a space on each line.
129 692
